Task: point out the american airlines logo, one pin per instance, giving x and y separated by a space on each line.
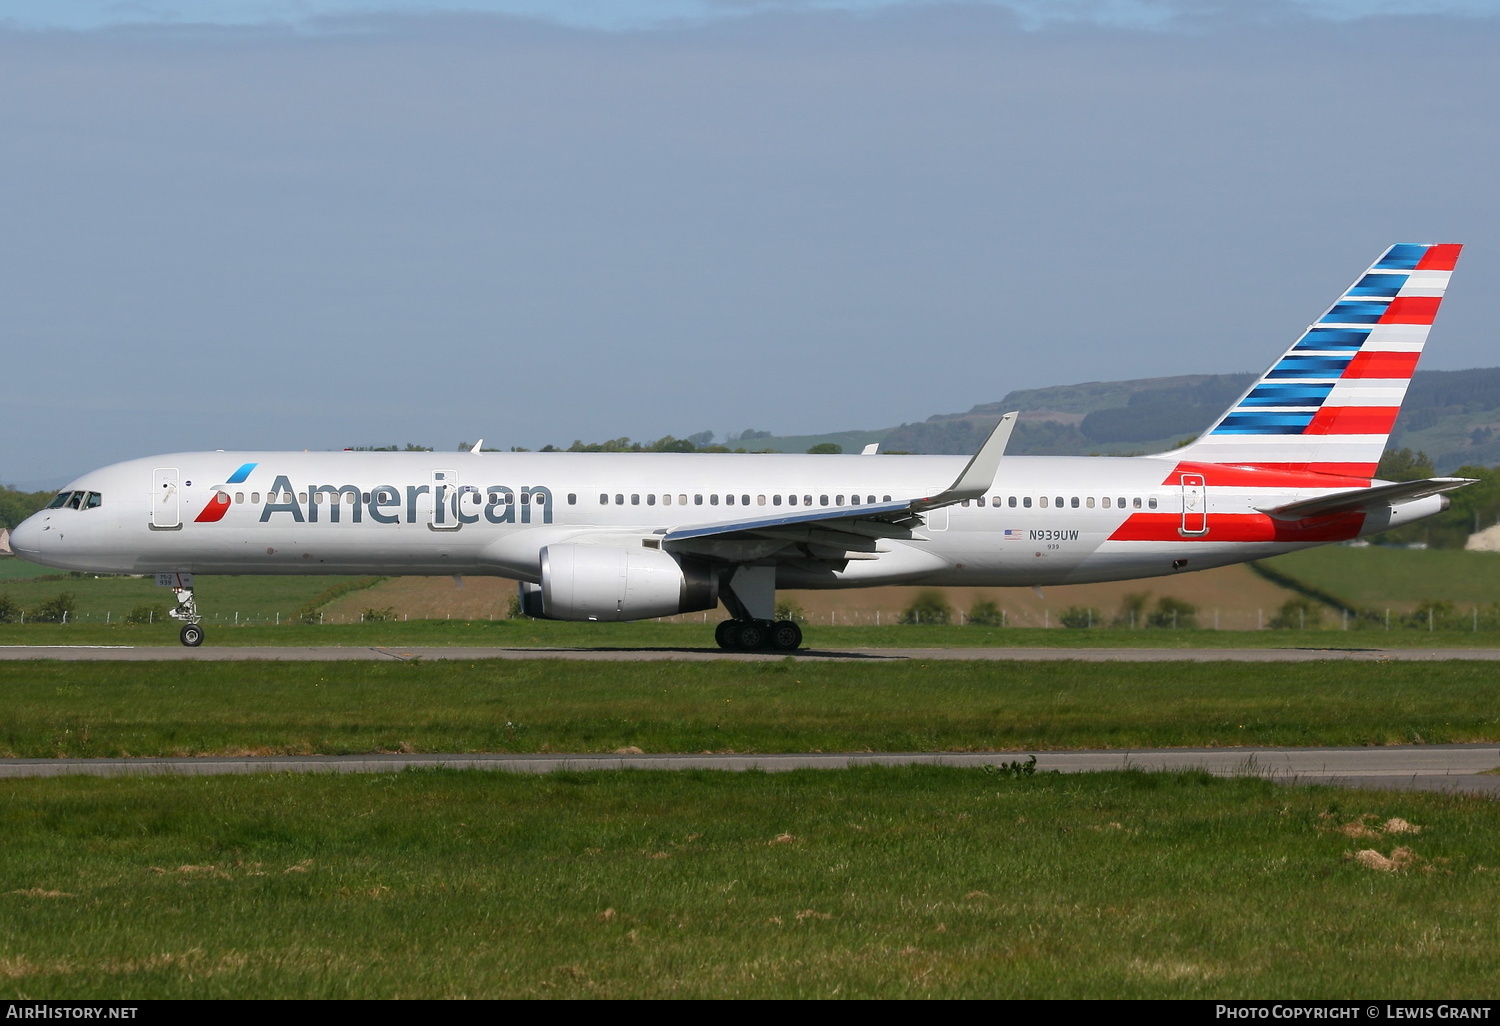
451 505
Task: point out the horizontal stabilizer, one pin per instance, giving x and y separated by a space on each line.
1365 498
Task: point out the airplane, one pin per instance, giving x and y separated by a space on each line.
631 536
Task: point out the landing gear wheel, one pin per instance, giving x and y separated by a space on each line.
786 636
724 634
751 635
191 635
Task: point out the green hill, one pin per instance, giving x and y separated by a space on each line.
1453 416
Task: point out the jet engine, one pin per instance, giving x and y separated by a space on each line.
607 582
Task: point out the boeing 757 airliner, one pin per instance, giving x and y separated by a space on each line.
611 536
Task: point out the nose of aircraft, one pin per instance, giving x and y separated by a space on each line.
26 538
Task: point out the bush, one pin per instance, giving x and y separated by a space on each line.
373 615
790 611
9 611
1080 616
986 613
928 607
1438 614
513 610
55 610
1296 614
1132 610
1173 612
146 614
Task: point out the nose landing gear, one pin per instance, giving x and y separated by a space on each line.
191 634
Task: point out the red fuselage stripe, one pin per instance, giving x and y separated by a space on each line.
1241 527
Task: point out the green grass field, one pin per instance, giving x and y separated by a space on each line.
916 882
184 708
225 599
657 634
1378 577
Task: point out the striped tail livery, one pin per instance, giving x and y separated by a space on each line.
1328 405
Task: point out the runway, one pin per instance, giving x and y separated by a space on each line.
1448 768
87 653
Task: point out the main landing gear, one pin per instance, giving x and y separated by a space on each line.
191 634
750 635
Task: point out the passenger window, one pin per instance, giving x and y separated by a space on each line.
713 500
697 500
760 500
870 499
239 497
651 499
807 500
791 500
1059 502
776 500
666 500
301 496
1074 503
965 504
729 500
526 498
1151 502
1105 500
822 500
1012 501
1027 502
1042 502
886 499
603 500
838 500
255 497
682 499
1136 502
1120 502
619 499
745 500
572 499
635 498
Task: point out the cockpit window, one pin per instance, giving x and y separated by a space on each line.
75 499
60 501
94 500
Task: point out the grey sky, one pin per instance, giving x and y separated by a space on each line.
436 227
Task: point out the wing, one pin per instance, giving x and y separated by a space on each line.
841 534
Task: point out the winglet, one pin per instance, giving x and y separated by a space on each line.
477 445
870 450
979 475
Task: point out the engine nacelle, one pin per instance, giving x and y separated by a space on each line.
608 582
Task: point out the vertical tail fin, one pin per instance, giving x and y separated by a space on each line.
1329 403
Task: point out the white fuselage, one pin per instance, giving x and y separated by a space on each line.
1046 520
